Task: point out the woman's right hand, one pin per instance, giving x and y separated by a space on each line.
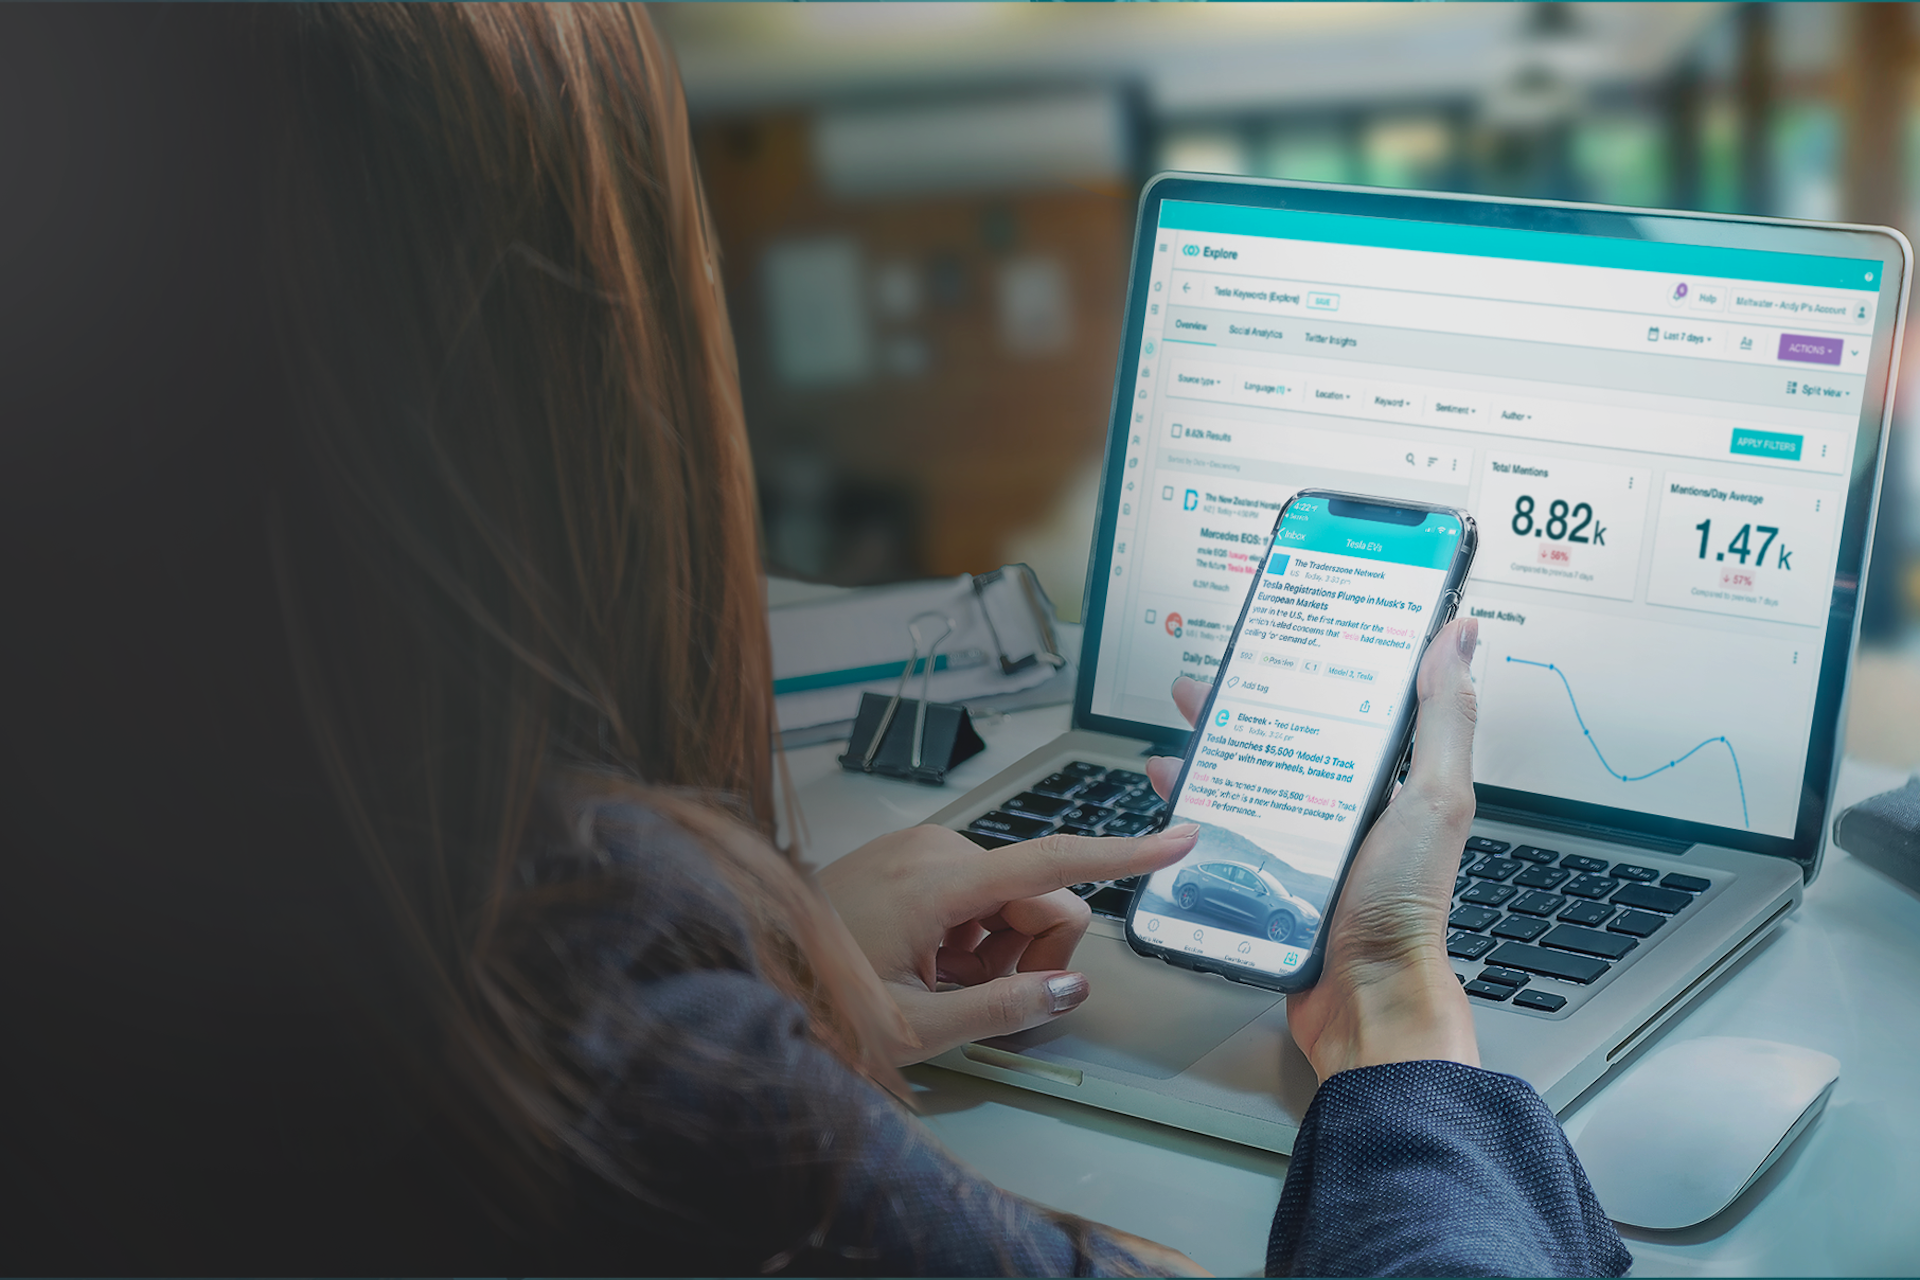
1387 992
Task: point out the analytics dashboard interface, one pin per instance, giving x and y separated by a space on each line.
1658 461
1298 734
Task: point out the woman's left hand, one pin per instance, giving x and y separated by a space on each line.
931 908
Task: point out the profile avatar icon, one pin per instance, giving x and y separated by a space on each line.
1176 625
1223 716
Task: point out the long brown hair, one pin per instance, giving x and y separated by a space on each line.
523 566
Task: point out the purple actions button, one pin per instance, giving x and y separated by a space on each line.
1798 346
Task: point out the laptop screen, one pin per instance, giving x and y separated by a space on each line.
1658 441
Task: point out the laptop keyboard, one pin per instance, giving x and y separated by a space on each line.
1528 915
1081 799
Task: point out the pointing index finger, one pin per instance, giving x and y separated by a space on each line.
1034 867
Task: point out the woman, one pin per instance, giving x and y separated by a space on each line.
495 486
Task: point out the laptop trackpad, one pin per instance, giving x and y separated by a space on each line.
1143 1016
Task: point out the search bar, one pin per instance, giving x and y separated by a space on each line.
1312 447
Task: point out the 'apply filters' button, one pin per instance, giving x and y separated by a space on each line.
1766 444
1810 350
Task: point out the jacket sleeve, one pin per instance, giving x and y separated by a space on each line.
785 1160
1434 1168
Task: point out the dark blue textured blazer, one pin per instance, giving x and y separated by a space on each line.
781 1159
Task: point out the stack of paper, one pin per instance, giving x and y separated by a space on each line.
831 645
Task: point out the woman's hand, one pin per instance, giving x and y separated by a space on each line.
1387 992
931 908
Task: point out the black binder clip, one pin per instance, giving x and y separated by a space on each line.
911 737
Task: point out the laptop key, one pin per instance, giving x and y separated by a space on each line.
1488 990
986 841
1538 904
1505 977
1142 802
1686 884
1638 923
1472 919
1111 901
1494 868
1488 894
1520 928
1011 825
1542 878
1533 853
1646 897
1131 781
1081 769
1469 946
1627 871
1486 844
1035 805
1588 942
1087 815
1101 792
1076 829
1563 965
1590 914
1574 862
1127 824
1058 784
1545 1001
1591 886
1460 882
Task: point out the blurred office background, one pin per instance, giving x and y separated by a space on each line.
926 210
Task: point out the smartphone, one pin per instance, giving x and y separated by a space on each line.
1308 726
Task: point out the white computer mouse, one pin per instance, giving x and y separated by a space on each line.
1685 1130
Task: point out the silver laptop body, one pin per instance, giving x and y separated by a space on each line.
1637 368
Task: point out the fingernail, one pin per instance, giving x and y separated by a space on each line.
1184 832
1067 990
1469 637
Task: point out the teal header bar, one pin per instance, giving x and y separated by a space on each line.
1802 269
1766 444
1308 526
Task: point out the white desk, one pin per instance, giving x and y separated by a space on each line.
1842 975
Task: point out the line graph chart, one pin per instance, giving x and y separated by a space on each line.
1574 703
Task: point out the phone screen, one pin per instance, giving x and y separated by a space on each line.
1309 711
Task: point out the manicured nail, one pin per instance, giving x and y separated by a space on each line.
1469 637
1181 834
1067 990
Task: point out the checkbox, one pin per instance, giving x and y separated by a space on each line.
1153 615
1166 493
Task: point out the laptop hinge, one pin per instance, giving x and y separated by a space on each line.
1590 830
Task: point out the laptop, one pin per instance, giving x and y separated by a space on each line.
1670 428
